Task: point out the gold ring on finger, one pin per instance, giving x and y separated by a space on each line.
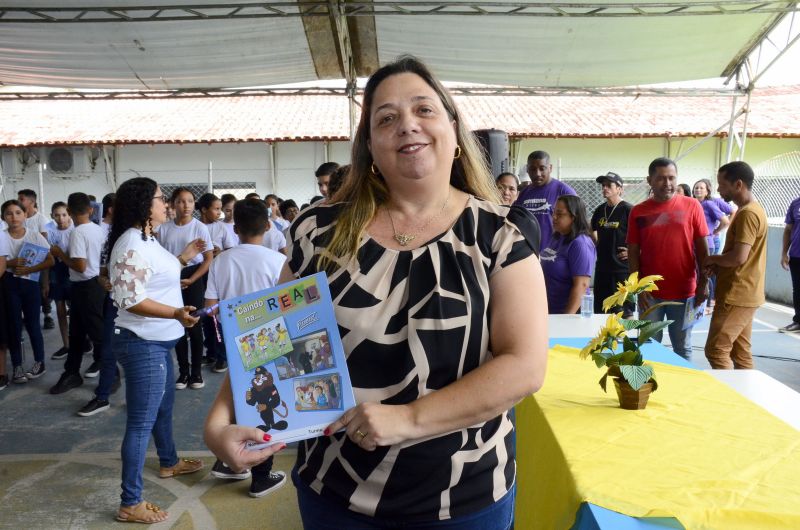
361 434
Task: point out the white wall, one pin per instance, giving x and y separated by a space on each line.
296 161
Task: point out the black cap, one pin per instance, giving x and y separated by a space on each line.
611 177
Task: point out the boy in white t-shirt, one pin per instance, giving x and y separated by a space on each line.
87 295
241 270
58 235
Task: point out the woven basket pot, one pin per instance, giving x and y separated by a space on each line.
629 398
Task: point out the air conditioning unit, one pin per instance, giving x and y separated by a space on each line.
65 162
12 164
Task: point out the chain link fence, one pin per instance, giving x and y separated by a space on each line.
591 192
777 184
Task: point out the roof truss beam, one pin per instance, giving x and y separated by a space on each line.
359 8
320 91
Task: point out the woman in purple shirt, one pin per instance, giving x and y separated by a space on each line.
717 213
569 258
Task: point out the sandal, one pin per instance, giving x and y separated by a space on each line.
144 512
183 467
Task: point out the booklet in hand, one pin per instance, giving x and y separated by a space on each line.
33 255
287 366
691 314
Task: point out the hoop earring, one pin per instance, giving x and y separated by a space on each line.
458 152
374 169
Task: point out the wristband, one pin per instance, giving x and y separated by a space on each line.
181 260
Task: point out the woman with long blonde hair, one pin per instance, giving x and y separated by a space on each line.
427 270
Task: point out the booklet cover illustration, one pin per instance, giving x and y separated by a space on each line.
286 362
691 314
33 255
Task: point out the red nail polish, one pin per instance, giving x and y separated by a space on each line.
326 432
267 437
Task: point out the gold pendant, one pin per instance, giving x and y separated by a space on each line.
404 239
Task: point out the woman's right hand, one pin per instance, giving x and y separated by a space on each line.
230 446
183 315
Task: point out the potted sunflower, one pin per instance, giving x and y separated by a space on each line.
633 379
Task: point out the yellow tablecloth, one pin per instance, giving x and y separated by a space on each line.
700 452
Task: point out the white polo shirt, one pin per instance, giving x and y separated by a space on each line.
86 242
174 238
243 270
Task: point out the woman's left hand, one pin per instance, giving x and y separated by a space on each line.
370 425
194 248
186 282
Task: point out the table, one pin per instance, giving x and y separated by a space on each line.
557 462
775 397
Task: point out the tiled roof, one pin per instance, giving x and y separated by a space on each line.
774 112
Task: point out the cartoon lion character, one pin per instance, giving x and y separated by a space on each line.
263 394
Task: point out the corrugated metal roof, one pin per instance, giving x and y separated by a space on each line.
321 117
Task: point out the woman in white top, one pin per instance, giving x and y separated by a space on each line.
174 236
146 287
24 294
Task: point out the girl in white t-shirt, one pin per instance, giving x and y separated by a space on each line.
5 248
24 294
146 287
273 202
210 208
174 236
228 200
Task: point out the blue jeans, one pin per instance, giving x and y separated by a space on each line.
681 339
319 513
24 306
150 394
108 361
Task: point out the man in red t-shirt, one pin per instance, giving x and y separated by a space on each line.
667 236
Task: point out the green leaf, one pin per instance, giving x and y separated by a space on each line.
599 358
651 329
630 324
603 382
636 376
626 357
628 344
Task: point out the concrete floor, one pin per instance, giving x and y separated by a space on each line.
58 470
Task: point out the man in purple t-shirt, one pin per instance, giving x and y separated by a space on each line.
790 260
540 197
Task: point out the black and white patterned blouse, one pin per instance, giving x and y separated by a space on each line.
412 322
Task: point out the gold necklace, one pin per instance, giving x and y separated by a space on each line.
403 238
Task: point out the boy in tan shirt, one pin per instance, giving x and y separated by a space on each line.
740 272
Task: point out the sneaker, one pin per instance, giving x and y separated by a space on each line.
182 382
37 370
266 485
19 375
208 360
196 382
93 407
3 381
48 322
221 470
183 467
60 354
220 367
794 327
93 370
66 382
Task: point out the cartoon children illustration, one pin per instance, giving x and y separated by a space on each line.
283 336
263 394
246 349
262 341
271 335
